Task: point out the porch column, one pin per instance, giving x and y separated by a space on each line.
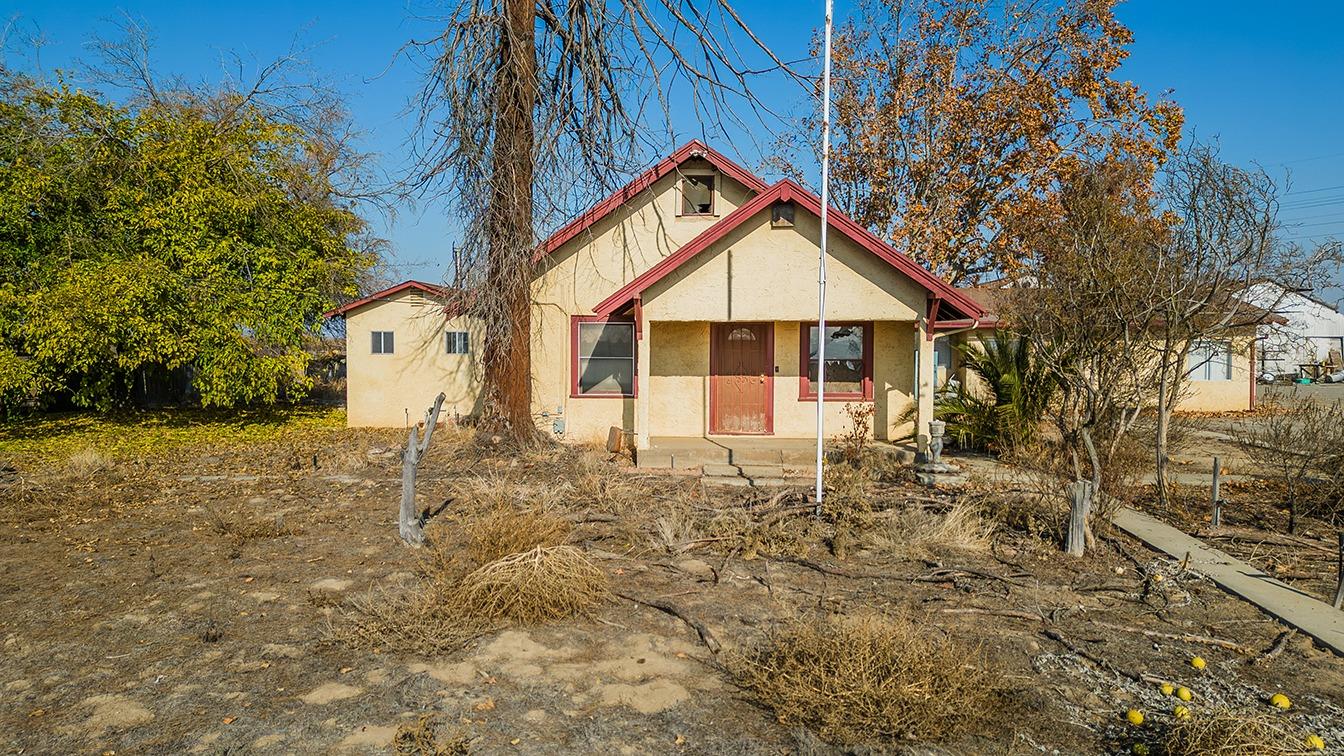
923 385
642 364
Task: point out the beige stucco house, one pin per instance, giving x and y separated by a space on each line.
682 306
1220 374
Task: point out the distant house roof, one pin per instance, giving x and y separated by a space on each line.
788 191
433 290
689 151
991 296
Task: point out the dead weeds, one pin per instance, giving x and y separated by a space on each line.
862 679
1239 733
543 584
507 530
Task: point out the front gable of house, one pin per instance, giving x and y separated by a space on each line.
764 270
624 236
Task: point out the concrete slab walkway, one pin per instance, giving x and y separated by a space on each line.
1315 618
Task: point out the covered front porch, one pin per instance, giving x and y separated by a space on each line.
744 392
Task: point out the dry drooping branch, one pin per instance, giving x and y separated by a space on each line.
532 108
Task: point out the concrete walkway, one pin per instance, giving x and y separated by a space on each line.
1315 618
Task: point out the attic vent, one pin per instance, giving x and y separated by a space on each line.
781 215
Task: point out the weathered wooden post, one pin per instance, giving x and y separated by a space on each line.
1217 519
1339 589
1080 496
410 525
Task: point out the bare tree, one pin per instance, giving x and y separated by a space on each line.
557 93
1220 240
1297 445
1085 306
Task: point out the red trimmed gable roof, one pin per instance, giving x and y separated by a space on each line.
421 286
692 149
788 191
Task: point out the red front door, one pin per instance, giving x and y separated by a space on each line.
741 378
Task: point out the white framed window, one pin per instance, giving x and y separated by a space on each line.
1209 361
603 357
383 342
457 342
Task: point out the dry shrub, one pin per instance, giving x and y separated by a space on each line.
597 483
858 434
423 738
405 619
545 583
1227 731
867 678
241 527
849 494
506 531
917 531
87 462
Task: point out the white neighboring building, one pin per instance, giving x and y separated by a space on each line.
1314 330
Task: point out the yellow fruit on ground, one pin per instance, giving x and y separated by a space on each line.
1181 712
1157 578
1184 694
1134 716
1168 689
1140 749
1198 662
1315 743
1279 700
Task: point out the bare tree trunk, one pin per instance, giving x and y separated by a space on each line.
1080 506
506 348
1163 423
416 446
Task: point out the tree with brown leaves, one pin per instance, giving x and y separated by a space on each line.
956 122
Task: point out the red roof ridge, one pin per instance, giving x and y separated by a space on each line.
428 288
787 190
692 149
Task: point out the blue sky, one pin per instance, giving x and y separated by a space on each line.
1267 81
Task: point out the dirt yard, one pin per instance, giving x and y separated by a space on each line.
204 596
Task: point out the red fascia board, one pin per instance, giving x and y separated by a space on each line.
692 149
788 191
430 289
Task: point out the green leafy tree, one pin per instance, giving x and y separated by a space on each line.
194 231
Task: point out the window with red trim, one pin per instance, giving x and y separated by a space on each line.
849 361
602 356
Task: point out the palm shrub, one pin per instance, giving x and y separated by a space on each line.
1005 412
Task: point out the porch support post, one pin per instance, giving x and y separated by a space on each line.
923 385
642 385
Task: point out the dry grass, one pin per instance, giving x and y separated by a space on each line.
242 528
405 620
422 738
915 532
545 583
863 679
507 530
849 493
1235 733
87 462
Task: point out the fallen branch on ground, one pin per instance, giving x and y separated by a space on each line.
668 607
1184 637
1275 648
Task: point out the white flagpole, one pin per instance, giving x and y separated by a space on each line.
821 258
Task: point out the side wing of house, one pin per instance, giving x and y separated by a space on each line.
401 351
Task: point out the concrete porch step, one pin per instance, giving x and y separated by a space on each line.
757 482
718 469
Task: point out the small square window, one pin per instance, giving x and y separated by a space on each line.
697 195
457 342
382 342
781 215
